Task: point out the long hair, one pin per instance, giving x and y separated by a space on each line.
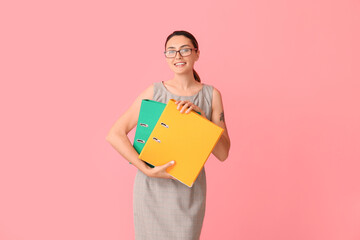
194 42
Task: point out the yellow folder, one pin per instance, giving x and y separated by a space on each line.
188 139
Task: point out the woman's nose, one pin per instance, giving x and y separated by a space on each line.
178 55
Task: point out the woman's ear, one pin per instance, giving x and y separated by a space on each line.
197 54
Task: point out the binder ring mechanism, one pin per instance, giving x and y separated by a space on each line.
142 125
164 125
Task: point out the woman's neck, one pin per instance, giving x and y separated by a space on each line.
184 82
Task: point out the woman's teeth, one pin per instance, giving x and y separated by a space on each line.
179 64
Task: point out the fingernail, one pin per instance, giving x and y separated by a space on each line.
172 162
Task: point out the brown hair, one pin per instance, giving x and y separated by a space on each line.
194 42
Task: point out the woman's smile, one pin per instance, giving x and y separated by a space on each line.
180 64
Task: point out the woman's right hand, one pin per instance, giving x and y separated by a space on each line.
160 171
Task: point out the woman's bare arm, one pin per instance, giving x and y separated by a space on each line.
221 150
118 138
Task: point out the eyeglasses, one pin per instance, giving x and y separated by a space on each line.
183 52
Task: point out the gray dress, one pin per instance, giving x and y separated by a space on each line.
166 209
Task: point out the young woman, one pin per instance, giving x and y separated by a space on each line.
164 208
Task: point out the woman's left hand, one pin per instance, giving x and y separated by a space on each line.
187 106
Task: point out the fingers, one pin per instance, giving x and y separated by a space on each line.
169 164
186 105
160 171
189 109
181 103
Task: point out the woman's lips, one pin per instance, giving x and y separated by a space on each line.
180 65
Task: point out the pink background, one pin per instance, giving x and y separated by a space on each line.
289 75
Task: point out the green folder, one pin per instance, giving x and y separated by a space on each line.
150 112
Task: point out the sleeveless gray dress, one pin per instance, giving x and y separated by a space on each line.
166 209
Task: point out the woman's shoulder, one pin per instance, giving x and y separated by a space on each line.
148 92
214 92
152 89
212 89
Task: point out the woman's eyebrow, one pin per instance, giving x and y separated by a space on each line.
181 46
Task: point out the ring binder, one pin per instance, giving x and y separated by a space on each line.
189 142
149 114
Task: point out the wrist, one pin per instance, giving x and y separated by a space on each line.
144 168
147 170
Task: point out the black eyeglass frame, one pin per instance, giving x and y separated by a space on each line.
180 52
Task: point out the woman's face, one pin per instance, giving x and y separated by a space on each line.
181 42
